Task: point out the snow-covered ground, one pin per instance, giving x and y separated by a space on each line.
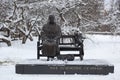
96 47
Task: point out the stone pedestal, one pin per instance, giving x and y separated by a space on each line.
97 67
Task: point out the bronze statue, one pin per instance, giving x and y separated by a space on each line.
50 34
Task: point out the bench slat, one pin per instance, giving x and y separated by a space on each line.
65 48
69 48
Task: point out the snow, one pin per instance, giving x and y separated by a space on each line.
1 36
60 62
108 4
97 47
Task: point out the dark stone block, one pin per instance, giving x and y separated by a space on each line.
101 69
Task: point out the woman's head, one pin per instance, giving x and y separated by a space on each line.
51 19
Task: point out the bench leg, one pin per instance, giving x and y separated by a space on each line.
38 54
81 57
81 52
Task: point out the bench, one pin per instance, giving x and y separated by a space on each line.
66 43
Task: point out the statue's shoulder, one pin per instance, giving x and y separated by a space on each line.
45 25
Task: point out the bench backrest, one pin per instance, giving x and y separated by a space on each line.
66 40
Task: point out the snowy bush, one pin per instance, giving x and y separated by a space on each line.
26 17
